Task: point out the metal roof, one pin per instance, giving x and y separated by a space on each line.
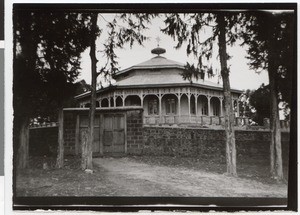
153 63
146 77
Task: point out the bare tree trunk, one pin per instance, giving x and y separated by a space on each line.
60 147
275 145
229 114
89 164
23 151
84 150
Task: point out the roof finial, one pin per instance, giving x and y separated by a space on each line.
158 50
158 40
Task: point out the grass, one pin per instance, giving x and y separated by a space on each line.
43 179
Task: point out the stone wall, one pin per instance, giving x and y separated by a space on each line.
171 141
134 131
69 132
208 143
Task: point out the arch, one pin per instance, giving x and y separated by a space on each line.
104 102
202 105
97 104
133 100
215 106
151 104
87 105
119 101
169 104
184 105
192 105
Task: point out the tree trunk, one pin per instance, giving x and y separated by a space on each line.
276 169
229 114
23 151
89 163
60 147
275 145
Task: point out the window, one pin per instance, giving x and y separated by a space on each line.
170 106
153 107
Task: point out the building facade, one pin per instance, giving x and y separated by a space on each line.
158 87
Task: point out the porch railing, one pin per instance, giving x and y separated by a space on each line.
191 119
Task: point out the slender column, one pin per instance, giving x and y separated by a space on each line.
179 104
196 105
160 109
189 106
142 99
208 105
123 98
221 106
109 98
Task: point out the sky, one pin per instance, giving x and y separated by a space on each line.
241 77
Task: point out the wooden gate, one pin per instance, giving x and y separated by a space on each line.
83 125
113 133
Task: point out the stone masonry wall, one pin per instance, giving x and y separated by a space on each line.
69 132
134 131
208 143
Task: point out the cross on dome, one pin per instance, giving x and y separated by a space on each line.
158 40
158 50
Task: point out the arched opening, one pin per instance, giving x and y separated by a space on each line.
169 104
104 102
235 108
202 105
215 106
184 105
97 104
132 101
87 105
192 105
151 105
119 101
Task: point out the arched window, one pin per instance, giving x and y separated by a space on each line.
104 102
132 100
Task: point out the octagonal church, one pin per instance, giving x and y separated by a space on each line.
152 94
158 87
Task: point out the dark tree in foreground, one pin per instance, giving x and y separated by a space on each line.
223 26
47 48
262 105
124 28
270 37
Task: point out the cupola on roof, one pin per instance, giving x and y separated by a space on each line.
155 62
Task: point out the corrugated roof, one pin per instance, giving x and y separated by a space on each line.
156 62
155 79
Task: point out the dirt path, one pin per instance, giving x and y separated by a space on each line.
132 178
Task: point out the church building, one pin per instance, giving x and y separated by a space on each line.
157 86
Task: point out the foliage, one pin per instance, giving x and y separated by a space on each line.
192 30
255 35
260 103
47 59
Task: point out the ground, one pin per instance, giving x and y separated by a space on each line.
146 176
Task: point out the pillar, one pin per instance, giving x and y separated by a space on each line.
179 103
221 107
208 105
160 109
196 105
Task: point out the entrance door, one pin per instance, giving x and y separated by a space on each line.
113 133
83 125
